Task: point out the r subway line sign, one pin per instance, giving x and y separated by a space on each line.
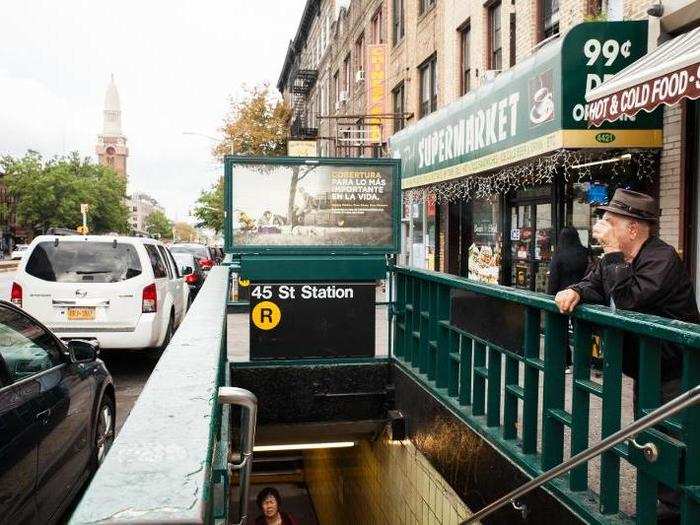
312 320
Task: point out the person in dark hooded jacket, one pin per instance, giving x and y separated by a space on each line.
569 263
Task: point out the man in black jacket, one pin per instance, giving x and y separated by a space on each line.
638 272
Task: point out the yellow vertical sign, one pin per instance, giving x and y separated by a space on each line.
376 84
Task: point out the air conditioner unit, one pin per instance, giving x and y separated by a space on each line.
343 96
359 75
490 75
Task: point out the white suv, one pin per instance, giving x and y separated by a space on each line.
123 292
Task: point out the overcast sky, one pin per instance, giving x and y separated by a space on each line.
175 64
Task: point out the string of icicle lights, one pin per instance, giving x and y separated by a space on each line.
542 170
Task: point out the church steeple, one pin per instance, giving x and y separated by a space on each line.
111 145
112 111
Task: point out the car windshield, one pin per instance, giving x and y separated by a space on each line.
198 251
84 261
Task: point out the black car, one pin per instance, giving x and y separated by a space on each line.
57 413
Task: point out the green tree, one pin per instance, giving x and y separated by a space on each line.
209 208
49 193
256 124
158 224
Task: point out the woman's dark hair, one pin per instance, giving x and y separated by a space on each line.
264 493
568 238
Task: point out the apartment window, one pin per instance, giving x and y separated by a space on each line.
428 86
513 33
494 37
550 18
424 5
465 58
347 72
336 89
398 28
360 53
398 94
377 27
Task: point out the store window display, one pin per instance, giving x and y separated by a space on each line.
485 251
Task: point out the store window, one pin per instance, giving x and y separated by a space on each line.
422 232
431 232
465 58
495 58
484 263
428 86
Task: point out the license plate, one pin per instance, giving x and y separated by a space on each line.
81 314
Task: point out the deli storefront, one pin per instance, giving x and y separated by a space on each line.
490 180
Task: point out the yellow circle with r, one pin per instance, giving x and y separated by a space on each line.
266 315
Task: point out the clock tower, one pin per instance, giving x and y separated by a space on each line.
111 144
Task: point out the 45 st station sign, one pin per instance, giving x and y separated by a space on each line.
534 108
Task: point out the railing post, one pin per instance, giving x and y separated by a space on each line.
510 402
479 396
400 308
690 483
432 322
610 422
443 353
465 346
555 328
493 413
580 401
649 397
531 380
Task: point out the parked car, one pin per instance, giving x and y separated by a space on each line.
19 251
189 266
57 414
123 292
203 253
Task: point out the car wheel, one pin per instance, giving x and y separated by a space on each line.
169 331
104 433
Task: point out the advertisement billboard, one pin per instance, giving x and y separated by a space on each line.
321 205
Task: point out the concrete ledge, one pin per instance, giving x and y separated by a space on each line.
159 468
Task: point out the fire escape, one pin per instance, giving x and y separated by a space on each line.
301 82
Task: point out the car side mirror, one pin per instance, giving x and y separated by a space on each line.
186 270
82 350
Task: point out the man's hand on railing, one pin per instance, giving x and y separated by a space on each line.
567 300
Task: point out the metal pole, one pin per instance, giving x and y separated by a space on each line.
677 404
249 403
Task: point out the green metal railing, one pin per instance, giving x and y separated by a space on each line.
496 391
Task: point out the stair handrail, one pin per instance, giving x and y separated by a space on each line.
229 395
677 404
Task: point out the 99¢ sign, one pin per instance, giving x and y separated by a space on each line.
292 320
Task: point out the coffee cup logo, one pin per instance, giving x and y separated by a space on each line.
541 98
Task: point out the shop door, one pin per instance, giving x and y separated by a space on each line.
531 244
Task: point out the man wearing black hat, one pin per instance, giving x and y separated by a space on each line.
642 273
